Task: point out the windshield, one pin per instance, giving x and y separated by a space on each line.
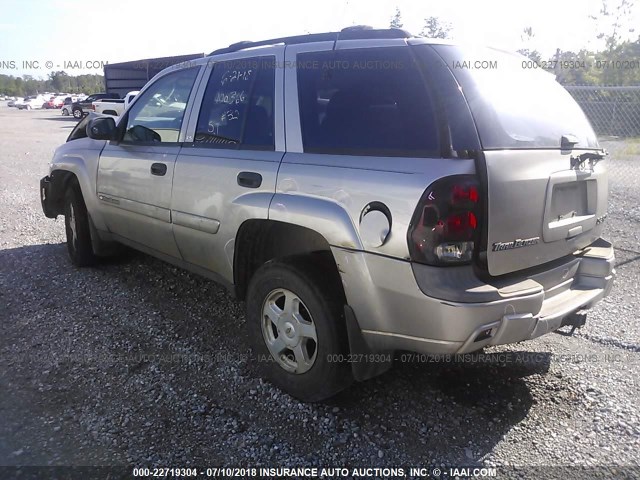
516 107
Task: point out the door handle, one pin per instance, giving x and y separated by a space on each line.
249 179
158 169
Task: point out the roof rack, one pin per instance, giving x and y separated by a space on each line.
357 32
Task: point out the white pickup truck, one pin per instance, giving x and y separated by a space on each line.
111 106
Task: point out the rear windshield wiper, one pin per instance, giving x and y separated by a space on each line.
593 157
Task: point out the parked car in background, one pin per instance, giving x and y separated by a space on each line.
56 102
86 104
15 102
46 96
33 102
67 105
115 107
50 103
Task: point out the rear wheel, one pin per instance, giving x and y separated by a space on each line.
65 112
76 222
297 329
28 107
77 113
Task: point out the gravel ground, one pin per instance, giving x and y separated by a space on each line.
136 362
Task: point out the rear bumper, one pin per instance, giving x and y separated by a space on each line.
400 306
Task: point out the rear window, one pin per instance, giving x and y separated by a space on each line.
365 102
516 107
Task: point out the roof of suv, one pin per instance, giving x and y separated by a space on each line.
358 32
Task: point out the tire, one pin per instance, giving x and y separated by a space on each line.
76 222
65 112
77 113
28 107
311 370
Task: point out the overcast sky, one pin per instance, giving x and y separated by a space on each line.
56 31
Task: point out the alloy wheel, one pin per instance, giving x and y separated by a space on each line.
289 331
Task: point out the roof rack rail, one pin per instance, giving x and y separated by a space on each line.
357 32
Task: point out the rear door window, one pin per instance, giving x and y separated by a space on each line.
238 105
365 102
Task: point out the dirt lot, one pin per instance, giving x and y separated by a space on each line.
135 362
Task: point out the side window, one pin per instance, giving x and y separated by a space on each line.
366 102
238 105
157 116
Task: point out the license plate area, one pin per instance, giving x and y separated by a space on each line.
570 206
569 200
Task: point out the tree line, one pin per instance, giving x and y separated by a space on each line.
56 82
616 63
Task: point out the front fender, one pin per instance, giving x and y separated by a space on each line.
323 215
80 158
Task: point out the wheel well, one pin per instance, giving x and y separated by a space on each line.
110 112
259 241
61 180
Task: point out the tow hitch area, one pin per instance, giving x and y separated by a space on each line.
575 320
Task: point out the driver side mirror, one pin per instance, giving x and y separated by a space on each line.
102 128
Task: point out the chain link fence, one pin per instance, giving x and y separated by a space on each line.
613 111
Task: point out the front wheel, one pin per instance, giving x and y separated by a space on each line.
76 222
298 331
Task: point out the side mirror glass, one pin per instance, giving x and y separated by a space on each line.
101 128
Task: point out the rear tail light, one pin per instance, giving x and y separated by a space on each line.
93 107
445 226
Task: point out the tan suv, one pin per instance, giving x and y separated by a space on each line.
364 191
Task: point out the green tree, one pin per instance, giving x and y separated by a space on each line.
435 28
59 81
527 39
20 88
576 68
621 66
56 82
396 21
611 22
